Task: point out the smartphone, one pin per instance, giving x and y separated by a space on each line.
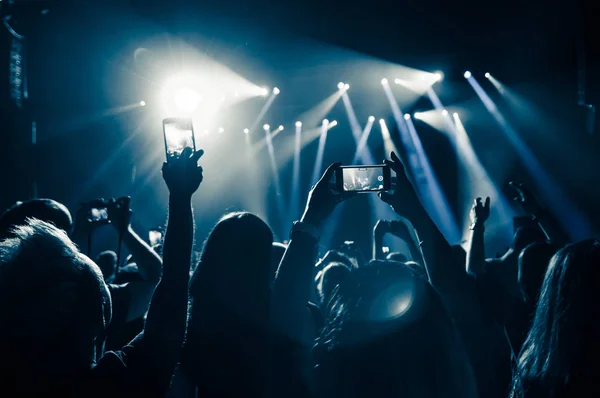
363 179
99 214
155 237
179 134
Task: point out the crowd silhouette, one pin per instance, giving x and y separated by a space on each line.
259 318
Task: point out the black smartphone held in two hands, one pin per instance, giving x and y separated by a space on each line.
179 134
363 179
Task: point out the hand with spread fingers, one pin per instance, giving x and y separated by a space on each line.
525 198
480 212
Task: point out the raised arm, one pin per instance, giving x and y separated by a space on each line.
402 229
167 316
437 252
291 290
475 264
547 222
148 262
379 232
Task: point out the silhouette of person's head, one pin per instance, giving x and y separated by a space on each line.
47 210
235 265
533 263
384 327
53 304
329 278
229 294
560 355
107 262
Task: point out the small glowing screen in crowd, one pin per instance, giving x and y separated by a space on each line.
179 134
365 178
98 214
155 237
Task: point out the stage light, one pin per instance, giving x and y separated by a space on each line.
236 94
325 122
418 115
341 85
264 92
371 118
266 127
467 75
406 116
246 131
142 103
384 81
346 86
276 91
333 124
381 121
445 112
439 76
221 129
298 124
455 115
397 81
205 132
186 99
280 128
487 75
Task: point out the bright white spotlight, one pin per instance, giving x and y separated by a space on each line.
246 131
266 127
236 94
186 99
439 76
333 124
341 85
381 121
455 115
280 128
276 91
418 115
445 112
205 132
264 92
406 116
371 118
467 75
487 75
142 103
325 121
346 86
397 81
384 81
298 124
221 129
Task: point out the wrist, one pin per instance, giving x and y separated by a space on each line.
477 226
312 220
180 199
303 228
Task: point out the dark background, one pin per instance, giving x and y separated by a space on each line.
81 65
